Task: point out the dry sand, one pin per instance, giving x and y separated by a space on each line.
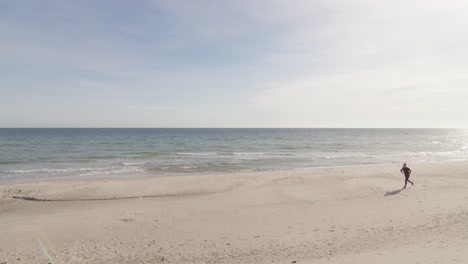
353 214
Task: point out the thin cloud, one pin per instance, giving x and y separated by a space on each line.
326 63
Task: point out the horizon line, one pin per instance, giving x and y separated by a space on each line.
233 128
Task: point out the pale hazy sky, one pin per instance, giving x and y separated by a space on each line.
233 63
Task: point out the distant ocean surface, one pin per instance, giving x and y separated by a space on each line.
70 152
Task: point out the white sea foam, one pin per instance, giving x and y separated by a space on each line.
76 171
49 170
250 154
223 153
189 167
197 153
133 163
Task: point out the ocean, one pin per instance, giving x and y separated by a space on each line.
33 154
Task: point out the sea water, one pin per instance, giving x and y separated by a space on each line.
27 154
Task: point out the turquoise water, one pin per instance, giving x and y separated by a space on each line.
57 153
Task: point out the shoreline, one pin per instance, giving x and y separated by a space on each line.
226 173
350 214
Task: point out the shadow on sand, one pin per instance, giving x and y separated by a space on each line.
393 192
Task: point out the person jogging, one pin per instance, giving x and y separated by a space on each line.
407 172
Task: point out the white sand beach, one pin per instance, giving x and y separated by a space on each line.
357 214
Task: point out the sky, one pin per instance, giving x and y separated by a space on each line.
234 63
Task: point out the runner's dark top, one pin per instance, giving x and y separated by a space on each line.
406 170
